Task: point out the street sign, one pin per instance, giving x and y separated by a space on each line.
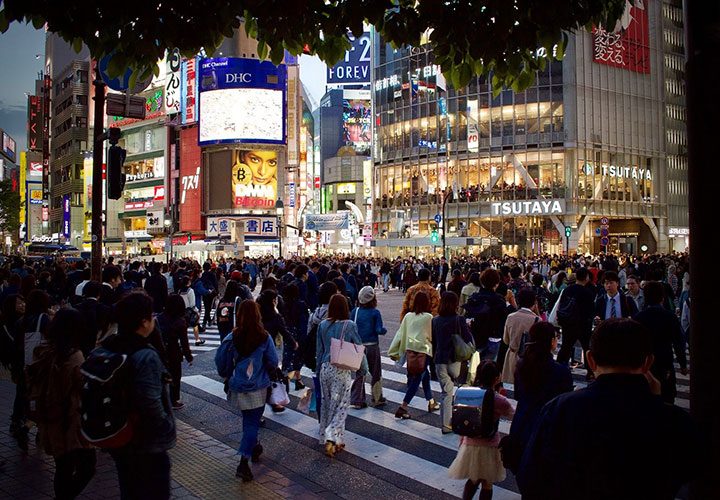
604 241
438 218
122 82
604 221
125 106
604 231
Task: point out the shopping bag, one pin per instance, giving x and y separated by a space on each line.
278 394
304 404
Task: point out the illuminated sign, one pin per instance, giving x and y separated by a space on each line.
346 188
357 121
36 196
172 82
190 94
355 67
66 216
264 227
35 123
242 100
620 172
528 207
139 177
628 45
254 179
35 169
189 183
9 146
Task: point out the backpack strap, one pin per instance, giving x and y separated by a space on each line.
40 317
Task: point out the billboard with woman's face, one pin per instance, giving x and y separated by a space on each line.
254 178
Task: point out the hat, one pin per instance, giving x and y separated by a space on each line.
236 275
367 293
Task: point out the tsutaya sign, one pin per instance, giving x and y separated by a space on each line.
527 207
621 172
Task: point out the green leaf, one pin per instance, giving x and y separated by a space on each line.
4 23
77 45
262 49
465 74
38 22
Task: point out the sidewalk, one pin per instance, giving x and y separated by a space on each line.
202 467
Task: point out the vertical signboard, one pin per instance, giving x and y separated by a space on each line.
293 115
190 92
473 136
35 124
66 216
357 121
172 82
190 205
628 45
354 68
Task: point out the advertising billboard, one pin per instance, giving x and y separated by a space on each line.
628 45
357 122
172 82
66 216
35 123
327 222
190 206
242 100
354 68
9 146
254 179
189 91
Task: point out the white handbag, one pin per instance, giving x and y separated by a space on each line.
278 395
346 355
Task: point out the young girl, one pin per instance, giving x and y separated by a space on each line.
478 459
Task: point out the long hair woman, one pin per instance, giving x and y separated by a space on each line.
446 324
414 340
478 459
335 382
538 379
246 357
60 435
192 313
173 327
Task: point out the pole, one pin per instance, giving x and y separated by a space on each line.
280 236
444 203
567 246
97 190
703 71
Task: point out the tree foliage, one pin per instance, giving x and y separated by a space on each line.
468 36
9 207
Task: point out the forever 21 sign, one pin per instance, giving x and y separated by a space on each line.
355 66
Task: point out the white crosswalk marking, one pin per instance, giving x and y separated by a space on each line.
393 459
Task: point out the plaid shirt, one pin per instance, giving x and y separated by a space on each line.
409 301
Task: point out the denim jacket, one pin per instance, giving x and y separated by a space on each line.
369 324
243 380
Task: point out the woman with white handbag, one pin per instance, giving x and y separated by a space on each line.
339 354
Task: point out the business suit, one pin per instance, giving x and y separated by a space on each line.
628 308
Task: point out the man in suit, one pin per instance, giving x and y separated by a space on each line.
613 303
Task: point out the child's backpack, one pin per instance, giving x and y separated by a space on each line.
467 413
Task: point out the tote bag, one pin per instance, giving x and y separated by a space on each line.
345 355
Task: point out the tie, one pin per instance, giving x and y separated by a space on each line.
612 308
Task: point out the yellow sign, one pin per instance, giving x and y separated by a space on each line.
36 196
346 188
254 178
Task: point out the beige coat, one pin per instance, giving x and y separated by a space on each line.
517 323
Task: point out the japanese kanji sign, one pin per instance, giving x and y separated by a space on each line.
628 45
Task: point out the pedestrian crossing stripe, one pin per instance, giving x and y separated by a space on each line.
387 457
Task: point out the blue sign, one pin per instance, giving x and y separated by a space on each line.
291 194
118 83
427 144
242 100
354 68
438 218
66 216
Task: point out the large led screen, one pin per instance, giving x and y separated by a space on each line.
242 100
246 178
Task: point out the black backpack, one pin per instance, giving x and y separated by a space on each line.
524 340
107 419
567 312
479 308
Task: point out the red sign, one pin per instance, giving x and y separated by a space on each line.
317 182
139 204
190 203
45 214
35 123
36 169
190 92
159 193
628 45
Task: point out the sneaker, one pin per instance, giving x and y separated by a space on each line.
359 406
243 471
200 342
178 405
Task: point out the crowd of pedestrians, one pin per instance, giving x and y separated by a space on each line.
630 317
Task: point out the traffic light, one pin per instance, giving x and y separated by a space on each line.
434 236
568 230
115 175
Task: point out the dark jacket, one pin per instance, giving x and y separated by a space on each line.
155 429
209 281
443 328
456 285
584 304
628 308
156 287
485 326
613 439
667 336
97 321
275 326
313 291
530 400
174 336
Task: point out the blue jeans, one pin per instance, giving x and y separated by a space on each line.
386 281
251 426
414 382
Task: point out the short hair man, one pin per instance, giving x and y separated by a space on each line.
611 439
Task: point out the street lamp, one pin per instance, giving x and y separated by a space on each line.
167 223
279 206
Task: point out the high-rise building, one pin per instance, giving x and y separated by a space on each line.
584 150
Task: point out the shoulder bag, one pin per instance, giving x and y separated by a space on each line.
462 351
345 355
